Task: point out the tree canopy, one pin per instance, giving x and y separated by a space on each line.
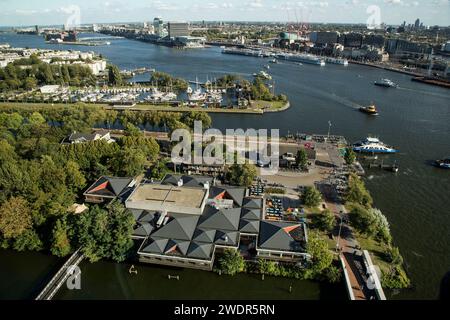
311 197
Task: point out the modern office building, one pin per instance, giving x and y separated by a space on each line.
178 29
158 26
324 37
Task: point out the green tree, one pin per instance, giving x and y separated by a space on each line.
121 228
14 121
60 239
36 119
362 220
28 240
325 220
321 257
350 156
301 159
129 162
30 83
230 262
357 192
114 76
15 217
311 197
74 177
241 174
393 256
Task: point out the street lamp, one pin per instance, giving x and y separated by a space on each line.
329 129
340 228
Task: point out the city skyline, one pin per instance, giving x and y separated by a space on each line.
50 12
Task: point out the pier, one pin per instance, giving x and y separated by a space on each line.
60 277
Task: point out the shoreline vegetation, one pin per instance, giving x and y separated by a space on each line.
260 107
373 233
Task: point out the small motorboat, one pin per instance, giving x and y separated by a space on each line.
444 163
386 83
372 110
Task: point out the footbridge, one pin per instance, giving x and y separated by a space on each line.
61 276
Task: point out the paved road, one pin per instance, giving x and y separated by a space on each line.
349 250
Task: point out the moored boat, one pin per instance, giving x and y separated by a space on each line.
372 145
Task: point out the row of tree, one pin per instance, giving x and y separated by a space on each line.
373 224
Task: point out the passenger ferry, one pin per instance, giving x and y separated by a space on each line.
304 58
372 145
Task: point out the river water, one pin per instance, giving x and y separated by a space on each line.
415 118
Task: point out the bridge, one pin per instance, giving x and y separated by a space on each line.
60 277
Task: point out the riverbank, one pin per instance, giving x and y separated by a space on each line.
384 67
260 108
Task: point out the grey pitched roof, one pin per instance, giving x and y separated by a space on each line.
154 245
200 250
227 219
281 236
188 181
82 136
109 186
143 229
251 214
249 226
206 236
146 216
179 227
229 238
235 193
177 247
252 203
136 213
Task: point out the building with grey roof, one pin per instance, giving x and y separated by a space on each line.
192 239
108 188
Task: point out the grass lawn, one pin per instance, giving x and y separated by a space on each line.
375 249
268 105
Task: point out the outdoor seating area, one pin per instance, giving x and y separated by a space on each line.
257 189
274 209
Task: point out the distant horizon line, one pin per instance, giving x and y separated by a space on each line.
210 21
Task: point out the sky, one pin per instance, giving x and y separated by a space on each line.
52 12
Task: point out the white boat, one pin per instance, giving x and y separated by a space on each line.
340 61
386 83
300 57
372 145
263 74
197 95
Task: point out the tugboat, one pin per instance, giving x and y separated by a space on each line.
386 83
444 163
372 145
372 110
